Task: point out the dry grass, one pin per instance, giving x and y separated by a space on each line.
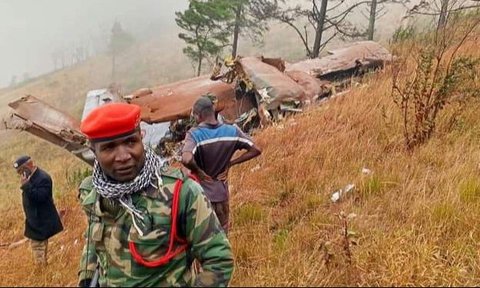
416 214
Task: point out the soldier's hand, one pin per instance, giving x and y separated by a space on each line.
85 283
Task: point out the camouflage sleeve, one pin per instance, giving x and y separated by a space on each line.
88 260
209 244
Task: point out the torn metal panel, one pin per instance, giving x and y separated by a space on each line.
42 120
344 62
51 119
275 62
273 85
268 89
314 88
97 98
174 101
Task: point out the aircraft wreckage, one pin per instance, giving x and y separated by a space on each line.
248 91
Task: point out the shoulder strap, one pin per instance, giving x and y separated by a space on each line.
174 237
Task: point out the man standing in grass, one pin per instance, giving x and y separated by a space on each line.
41 217
146 225
208 153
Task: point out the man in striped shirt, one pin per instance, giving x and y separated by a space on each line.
208 153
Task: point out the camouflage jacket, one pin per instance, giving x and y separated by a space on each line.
111 229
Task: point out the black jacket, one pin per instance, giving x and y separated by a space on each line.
42 220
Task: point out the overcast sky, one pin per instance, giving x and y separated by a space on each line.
30 30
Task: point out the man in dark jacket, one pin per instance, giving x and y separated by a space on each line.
42 219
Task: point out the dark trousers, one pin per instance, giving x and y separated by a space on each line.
222 210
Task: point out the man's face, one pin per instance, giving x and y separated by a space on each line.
23 171
122 158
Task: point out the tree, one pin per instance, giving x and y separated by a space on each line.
376 11
372 19
321 18
247 21
442 9
120 40
239 13
206 29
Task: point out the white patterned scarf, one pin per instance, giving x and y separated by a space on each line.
122 192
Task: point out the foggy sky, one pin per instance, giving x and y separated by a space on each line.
30 30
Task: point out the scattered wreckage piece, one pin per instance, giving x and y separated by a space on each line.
40 119
273 85
314 88
351 60
275 91
174 101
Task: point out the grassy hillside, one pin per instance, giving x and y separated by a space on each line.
416 213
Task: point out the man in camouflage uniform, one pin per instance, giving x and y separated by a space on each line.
141 232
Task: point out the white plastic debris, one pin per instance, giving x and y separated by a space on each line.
338 194
366 171
349 188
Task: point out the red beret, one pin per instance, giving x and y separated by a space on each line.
111 121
